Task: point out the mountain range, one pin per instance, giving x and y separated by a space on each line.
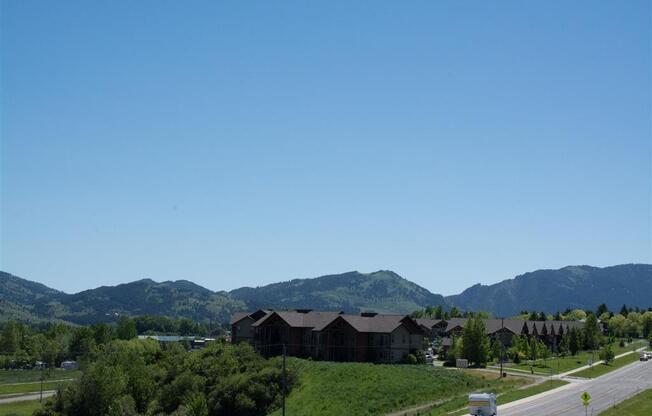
382 291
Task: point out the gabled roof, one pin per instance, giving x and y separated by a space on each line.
429 323
238 316
318 321
295 319
256 315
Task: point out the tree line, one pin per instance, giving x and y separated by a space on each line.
21 345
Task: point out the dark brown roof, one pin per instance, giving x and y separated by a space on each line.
238 316
515 325
255 315
302 319
318 321
428 323
383 324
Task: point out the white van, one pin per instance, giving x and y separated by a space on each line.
482 404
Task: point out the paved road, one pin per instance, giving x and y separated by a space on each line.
25 397
606 390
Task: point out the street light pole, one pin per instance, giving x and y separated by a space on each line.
283 398
502 345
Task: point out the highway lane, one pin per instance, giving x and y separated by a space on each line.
605 391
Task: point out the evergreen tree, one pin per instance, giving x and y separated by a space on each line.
624 311
439 312
575 341
602 308
564 345
591 332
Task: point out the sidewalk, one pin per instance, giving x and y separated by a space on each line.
561 375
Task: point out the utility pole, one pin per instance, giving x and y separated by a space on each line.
502 345
41 395
283 397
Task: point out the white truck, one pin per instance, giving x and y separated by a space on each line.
482 404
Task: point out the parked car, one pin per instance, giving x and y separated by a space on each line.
69 365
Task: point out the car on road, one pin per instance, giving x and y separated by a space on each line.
645 356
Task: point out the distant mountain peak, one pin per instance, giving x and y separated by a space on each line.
551 290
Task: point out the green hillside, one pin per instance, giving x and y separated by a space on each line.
575 287
328 388
382 291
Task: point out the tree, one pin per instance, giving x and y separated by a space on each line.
605 317
102 333
646 324
533 350
11 337
82 342
591 332
439 312
602 308
455 313
607 354
633 325
195 405
575 315
496 349
455 351
564 345
475 341
574 341
617 325
126 329
624 311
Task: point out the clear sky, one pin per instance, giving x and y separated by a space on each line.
243 143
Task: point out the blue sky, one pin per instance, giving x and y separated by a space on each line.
242 143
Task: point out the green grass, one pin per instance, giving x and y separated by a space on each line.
327 388
568 363
514 395
639 405
30 387
25 408
601 369
22 376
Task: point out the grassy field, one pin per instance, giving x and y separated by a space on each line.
564 364
26 381
30 387
353 389
512 396
639 405
20 408
600 369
